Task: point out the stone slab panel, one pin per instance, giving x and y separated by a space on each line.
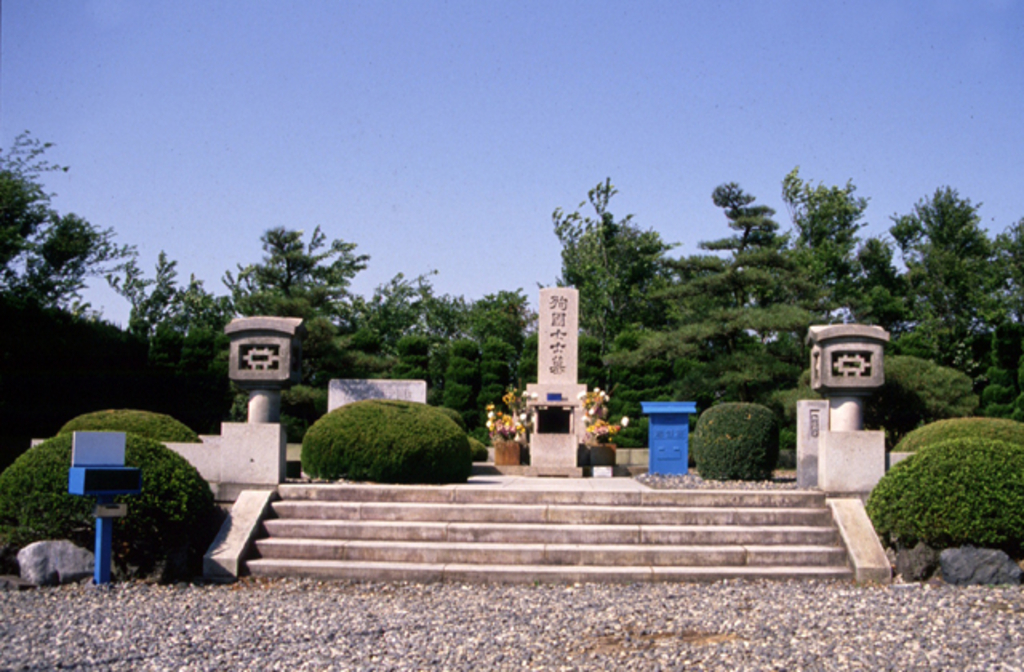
342 391
851 462
867 557
223 560
812 418
558 334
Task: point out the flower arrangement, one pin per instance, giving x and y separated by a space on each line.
511 426
595 410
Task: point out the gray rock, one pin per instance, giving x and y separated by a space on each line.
917 563
967 565
49 563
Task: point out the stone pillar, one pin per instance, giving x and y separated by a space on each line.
554 400
264 406
812 421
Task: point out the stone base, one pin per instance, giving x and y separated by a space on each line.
245 456
851 462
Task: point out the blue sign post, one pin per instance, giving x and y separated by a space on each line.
97 470
669 435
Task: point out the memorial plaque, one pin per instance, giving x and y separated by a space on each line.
558 331
343 391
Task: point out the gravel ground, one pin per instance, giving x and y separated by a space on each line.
782 480
307 625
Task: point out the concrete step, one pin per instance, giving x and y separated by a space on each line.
548 533
486 573
462 494
550 513
554 554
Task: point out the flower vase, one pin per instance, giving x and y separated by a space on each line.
506 453
602 455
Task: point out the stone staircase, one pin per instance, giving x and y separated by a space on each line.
452 533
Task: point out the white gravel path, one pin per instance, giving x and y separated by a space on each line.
306 625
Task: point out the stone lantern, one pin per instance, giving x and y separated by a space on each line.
265 358
846 367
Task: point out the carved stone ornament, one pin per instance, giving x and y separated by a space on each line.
846 359
265 351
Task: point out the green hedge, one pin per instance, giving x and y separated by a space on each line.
478 450
156 426
962 428
174 519
956 492
736 441
387 442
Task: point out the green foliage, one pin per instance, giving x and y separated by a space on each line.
739 320
462 381
478 449
454 415
387 442
827 220
736 441
996 429
296 280
174 512
147 424
159 304
955 492
45 257
301 406
615 265
413 358
917 392
951 274
496 358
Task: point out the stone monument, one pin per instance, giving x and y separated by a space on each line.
554 401
846 367
265 358
342 391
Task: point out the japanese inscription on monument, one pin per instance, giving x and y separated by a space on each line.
558 328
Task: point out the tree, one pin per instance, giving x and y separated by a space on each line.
951 275
297 280
1009 247
615 265
826 220
46 257
160 302
740 318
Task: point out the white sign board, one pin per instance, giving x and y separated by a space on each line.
347 390
97 449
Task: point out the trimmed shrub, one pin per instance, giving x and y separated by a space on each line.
478 449
387 442
173 521
962 428
955 492
453 414
156 426
736 441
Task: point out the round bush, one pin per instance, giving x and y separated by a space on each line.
951 493
454 415
387 442
478 449
172 521
998 429
151 425
736 441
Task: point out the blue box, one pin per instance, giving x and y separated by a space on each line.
668 437
104 481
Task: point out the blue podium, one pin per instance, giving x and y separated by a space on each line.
668 436
97 470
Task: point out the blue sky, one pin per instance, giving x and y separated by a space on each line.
441 135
